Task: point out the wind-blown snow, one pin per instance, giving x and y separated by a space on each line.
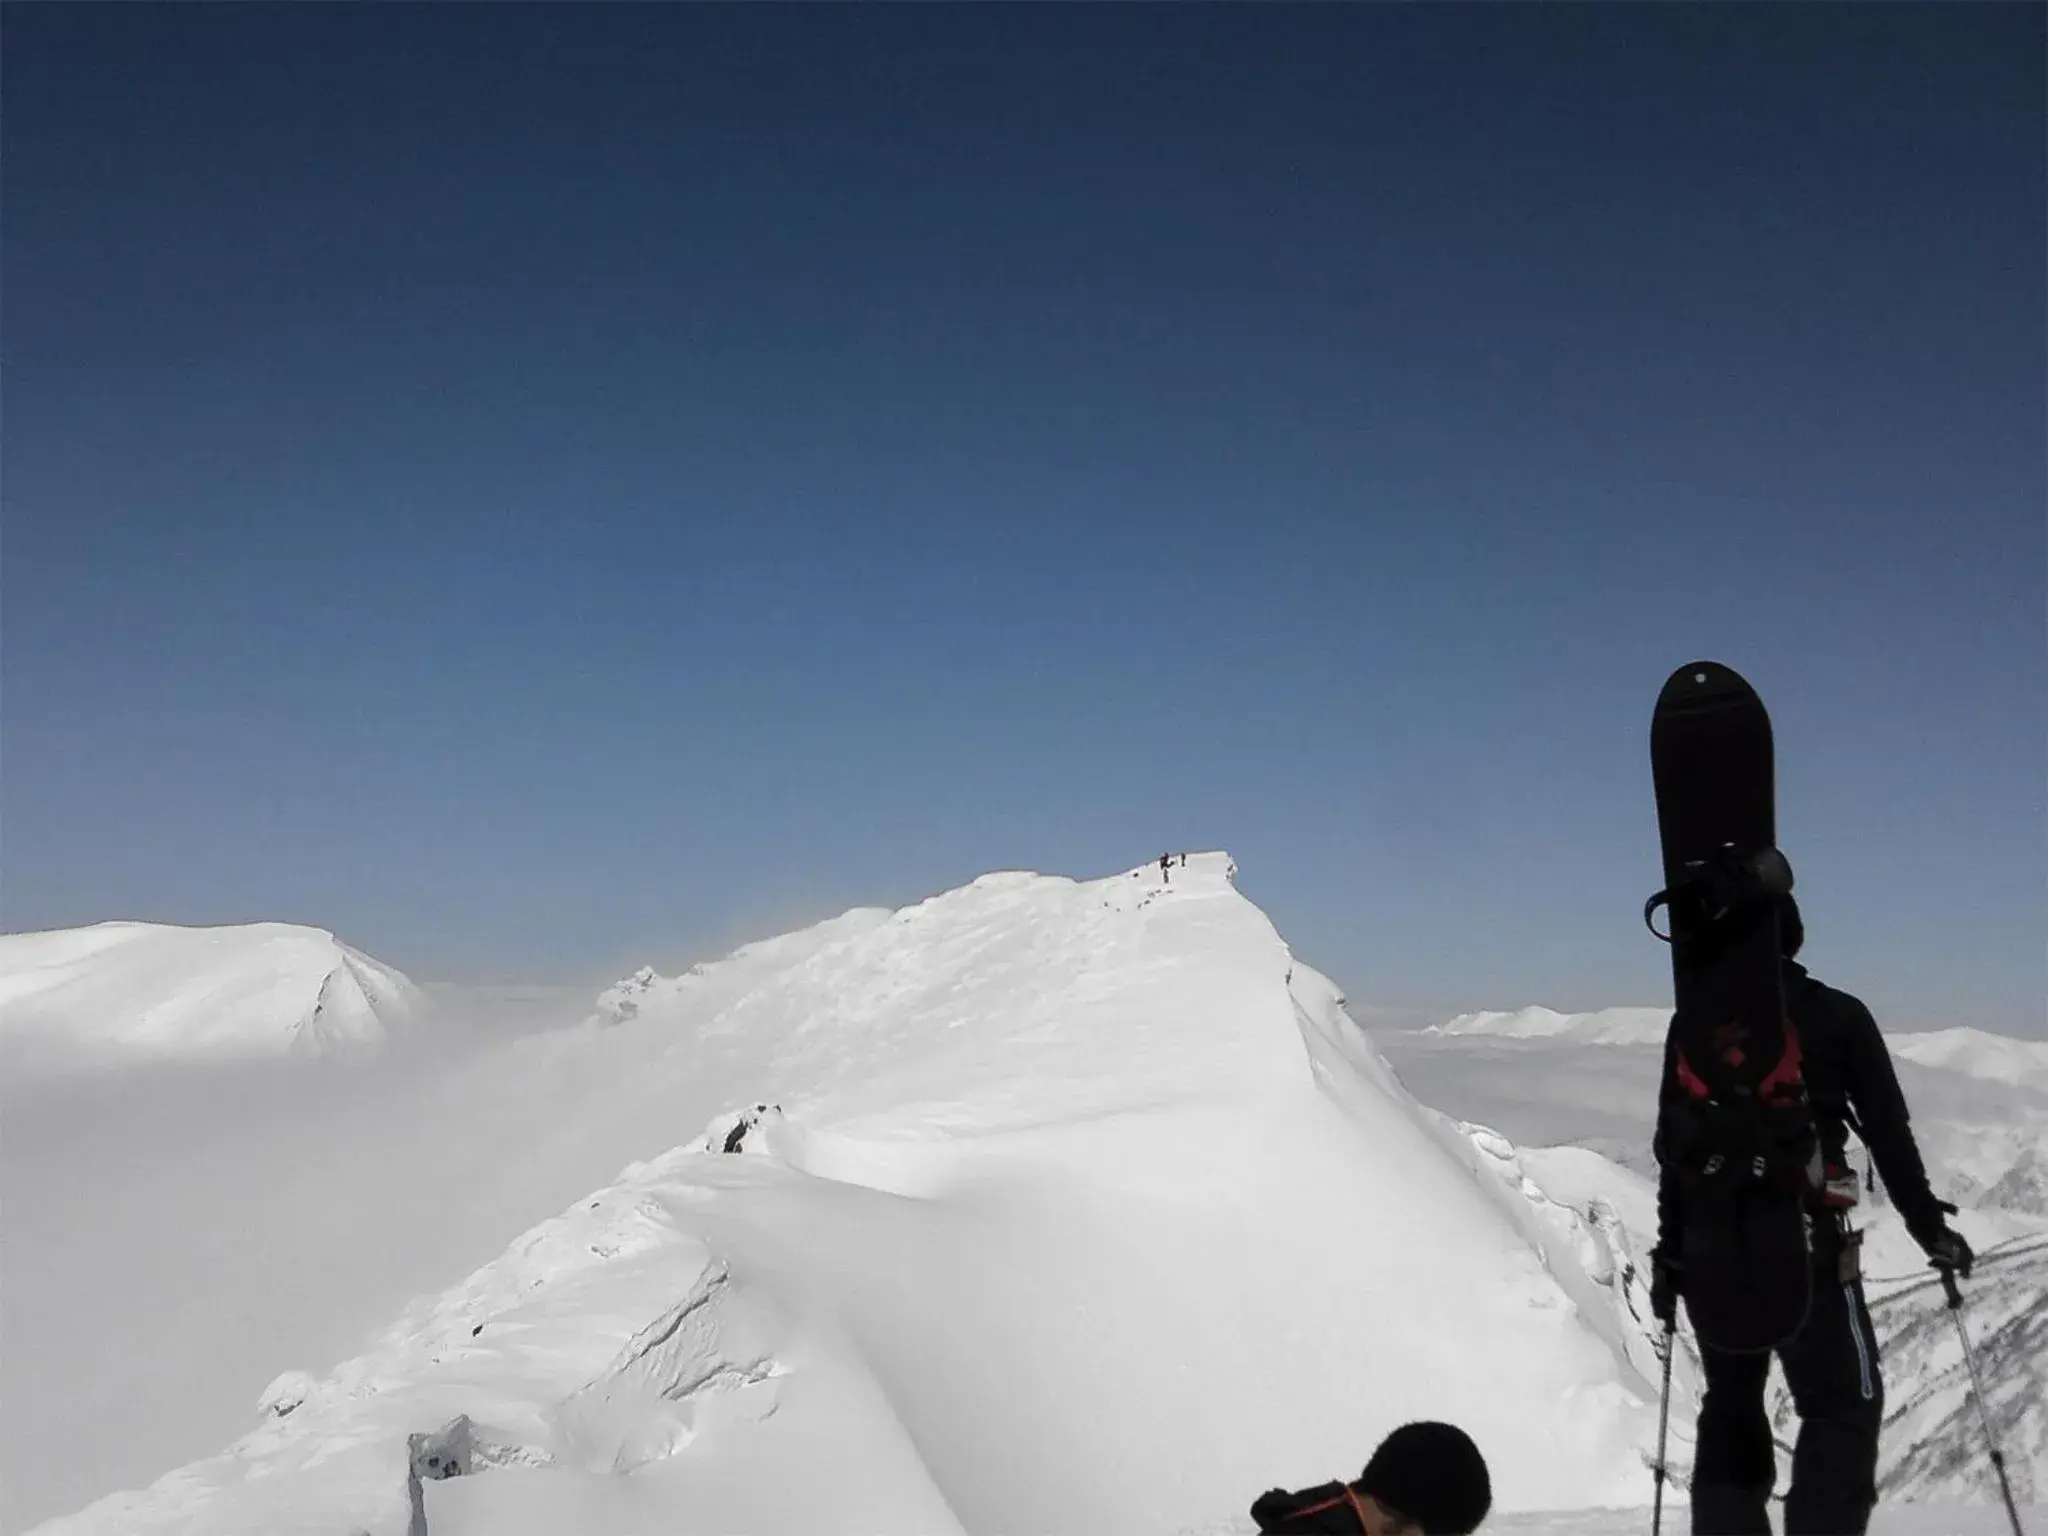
121 993
1075 1206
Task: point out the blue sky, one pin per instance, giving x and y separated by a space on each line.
535 489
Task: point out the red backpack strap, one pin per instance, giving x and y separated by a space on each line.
1689 1080
1786 1074
1317 1509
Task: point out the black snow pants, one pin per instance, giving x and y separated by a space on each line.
1831 1367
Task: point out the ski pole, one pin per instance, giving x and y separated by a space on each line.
1955 1311
1663 1423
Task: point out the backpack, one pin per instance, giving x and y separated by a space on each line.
1743 1143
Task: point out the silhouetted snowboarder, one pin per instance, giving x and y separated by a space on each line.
1831 1362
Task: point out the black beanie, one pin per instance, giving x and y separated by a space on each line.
1433 1474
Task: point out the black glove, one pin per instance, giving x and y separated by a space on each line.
1945 1246
1665 1278
1949 1251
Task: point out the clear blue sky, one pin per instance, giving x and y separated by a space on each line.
535 488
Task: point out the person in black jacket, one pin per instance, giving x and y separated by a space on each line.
1831 1364
1425 1479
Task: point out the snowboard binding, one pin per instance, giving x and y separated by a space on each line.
1715 893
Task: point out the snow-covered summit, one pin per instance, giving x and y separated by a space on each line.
1060 1205
131 992
1605 1026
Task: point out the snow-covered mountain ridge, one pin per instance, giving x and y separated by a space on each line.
1039 1206
1065 1205
114 993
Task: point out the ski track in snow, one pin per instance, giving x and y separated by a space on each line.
1056 1206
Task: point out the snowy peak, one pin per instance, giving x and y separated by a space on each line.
1605 1026
119 993
1000 999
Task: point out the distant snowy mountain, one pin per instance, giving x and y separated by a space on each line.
1972 1052
1051 1206
120 993
1607 1026
1976 1053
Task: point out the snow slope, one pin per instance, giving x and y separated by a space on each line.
115 993
1935 1439
1056 1207
1059 1206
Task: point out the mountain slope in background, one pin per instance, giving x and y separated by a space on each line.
1977 1053
1052 1206
1041 1205
119 993
1606 1026
1971 1052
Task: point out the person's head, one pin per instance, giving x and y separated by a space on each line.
1426 1479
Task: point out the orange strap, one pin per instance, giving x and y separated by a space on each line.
1348 1496
1357 1508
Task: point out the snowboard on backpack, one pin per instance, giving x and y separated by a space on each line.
1742 1137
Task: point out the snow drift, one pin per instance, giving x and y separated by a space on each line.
120 993
1053 1206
